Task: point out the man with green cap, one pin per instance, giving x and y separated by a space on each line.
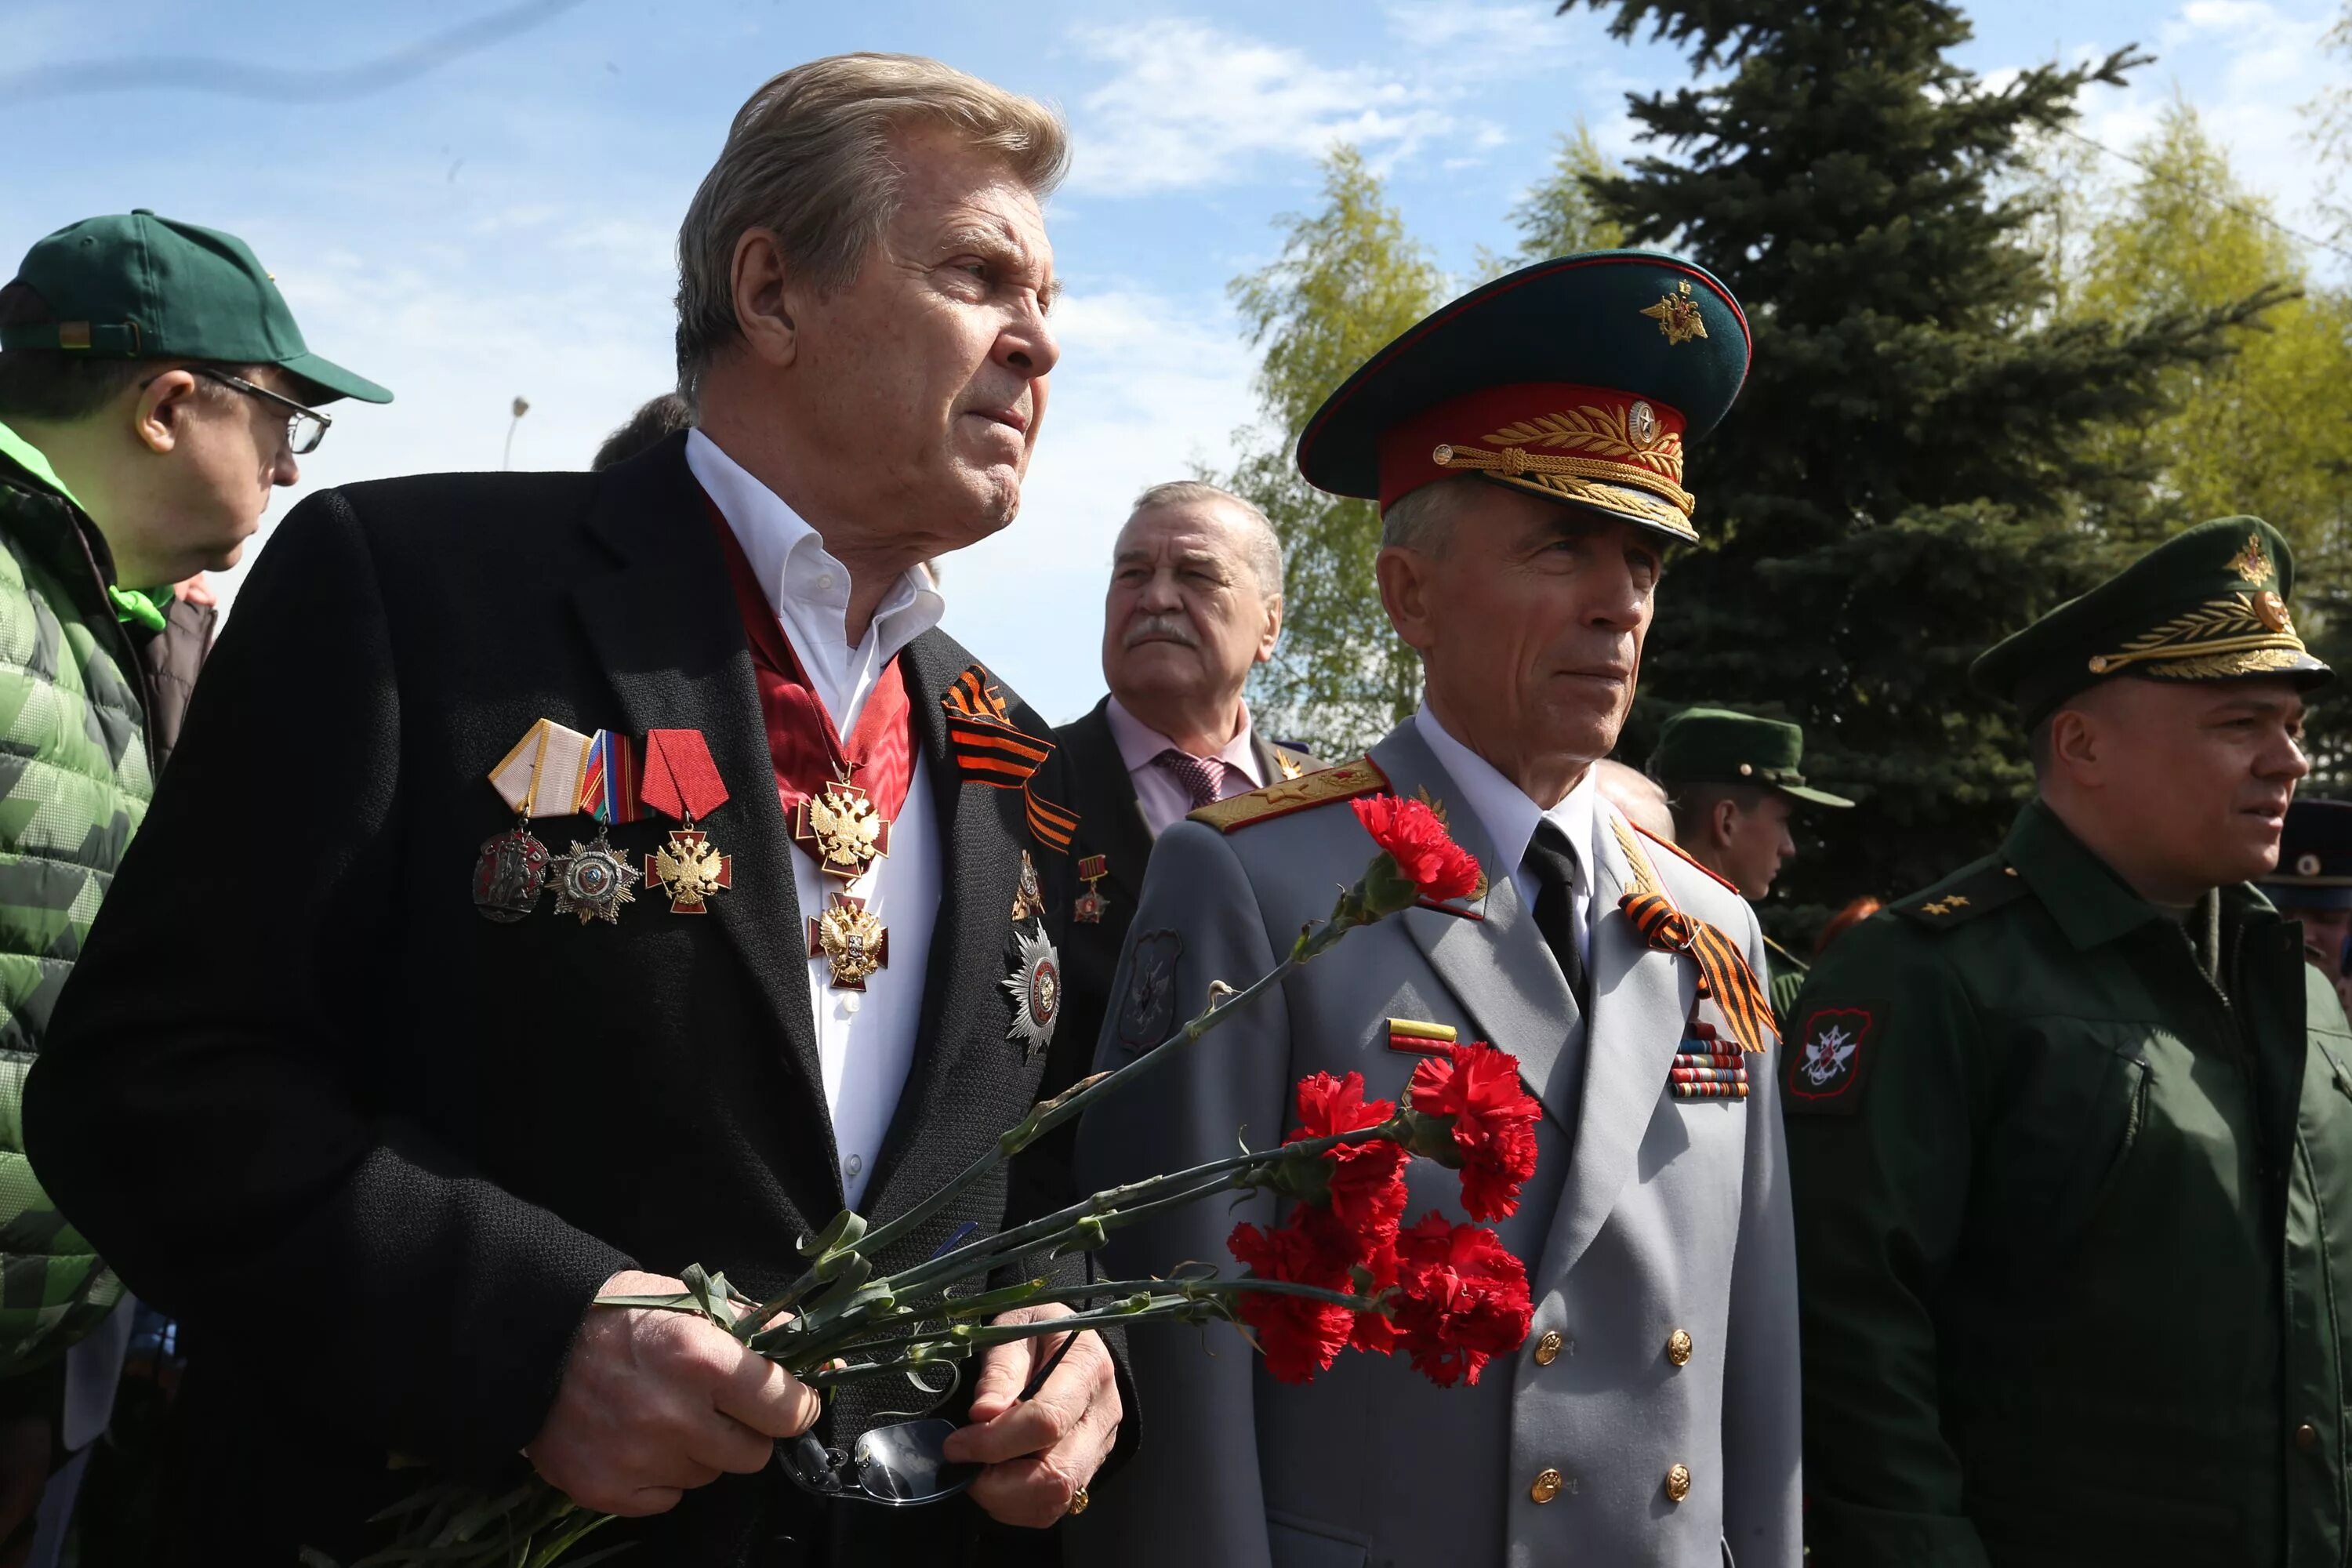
2070 1132
153 388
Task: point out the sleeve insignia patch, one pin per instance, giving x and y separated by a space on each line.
1146 1016
1835 1048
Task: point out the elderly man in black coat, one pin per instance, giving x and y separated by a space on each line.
380 1153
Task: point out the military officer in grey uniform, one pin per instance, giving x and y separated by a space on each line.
1525 446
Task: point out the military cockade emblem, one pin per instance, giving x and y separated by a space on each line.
1677 315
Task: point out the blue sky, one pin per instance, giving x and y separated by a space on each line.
498 220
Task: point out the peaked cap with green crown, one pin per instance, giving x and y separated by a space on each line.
1720 745
2210 604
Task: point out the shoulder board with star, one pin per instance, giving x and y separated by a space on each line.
1957 900
1346 781
1671 848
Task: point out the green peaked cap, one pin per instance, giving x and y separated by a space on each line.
136 286
1717 745
2210 604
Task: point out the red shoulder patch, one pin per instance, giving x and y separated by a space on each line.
1836 1049
1679 853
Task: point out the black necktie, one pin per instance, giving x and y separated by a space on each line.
1554 864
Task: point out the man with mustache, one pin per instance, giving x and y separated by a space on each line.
1525 446
2071 1131
1194 604
802 953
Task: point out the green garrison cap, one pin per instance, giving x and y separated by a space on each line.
2207 604
1717 745
1576 379
136 286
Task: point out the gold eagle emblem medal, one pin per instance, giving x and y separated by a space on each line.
690 870
851 940
842 830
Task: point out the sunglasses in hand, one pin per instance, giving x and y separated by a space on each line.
903 1465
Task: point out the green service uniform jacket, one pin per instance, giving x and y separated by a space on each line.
2074 1204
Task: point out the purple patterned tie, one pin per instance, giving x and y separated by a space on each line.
1202 777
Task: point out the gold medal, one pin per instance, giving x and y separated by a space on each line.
689 871
842 830
1028 897
1087 908
851 940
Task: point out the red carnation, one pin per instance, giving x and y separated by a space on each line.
1299 1335
1493 1122
1462 1299
1425 855
1366 1181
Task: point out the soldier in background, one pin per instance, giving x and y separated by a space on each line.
2069 1135
2312 884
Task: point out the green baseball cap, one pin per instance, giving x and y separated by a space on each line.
2209 603
136 286
1717 745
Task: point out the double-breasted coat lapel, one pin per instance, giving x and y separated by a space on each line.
1640 998
1497 968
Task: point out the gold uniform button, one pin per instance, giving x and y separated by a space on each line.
1677 1483
1546 1486
2306 1437
1678 1348
1547 1352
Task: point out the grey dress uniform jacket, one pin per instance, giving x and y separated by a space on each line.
1647 1214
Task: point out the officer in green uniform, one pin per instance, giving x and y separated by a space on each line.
2312 884
2071 1132
1733 781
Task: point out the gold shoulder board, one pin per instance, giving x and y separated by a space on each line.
1345 782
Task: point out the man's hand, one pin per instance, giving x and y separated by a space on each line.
654 1402
23 1475
1041 1450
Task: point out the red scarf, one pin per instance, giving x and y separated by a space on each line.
803 741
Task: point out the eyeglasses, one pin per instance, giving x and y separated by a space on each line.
904 1465
305 427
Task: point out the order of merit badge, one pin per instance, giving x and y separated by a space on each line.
554 771
1035 985
851 940
682 782
1087 908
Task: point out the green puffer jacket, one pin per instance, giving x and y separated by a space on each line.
74 779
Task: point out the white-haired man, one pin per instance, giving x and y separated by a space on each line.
1194 604
447 1136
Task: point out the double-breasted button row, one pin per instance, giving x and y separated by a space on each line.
1550 1483
1552 1341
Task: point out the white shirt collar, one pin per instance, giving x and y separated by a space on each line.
809 589
1503 809
1139 742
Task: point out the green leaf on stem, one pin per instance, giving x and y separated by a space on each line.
995 1301
1084 1236
848 1227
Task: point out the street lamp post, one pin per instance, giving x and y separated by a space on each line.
522 407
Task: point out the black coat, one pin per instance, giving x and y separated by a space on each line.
378 1153
1111 824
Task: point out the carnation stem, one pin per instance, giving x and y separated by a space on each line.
1046 1115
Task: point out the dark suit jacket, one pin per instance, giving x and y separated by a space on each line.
1110 824
378 1153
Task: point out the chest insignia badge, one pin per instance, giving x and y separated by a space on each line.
1035 985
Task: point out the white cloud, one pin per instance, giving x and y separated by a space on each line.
2250 69
1486 36
1189 105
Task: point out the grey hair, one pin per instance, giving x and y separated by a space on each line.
1423 519
1264 547
808 158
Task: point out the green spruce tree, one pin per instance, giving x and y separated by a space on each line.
1906 476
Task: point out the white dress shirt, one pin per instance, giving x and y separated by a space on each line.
865 1040
1510 819
1165 800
